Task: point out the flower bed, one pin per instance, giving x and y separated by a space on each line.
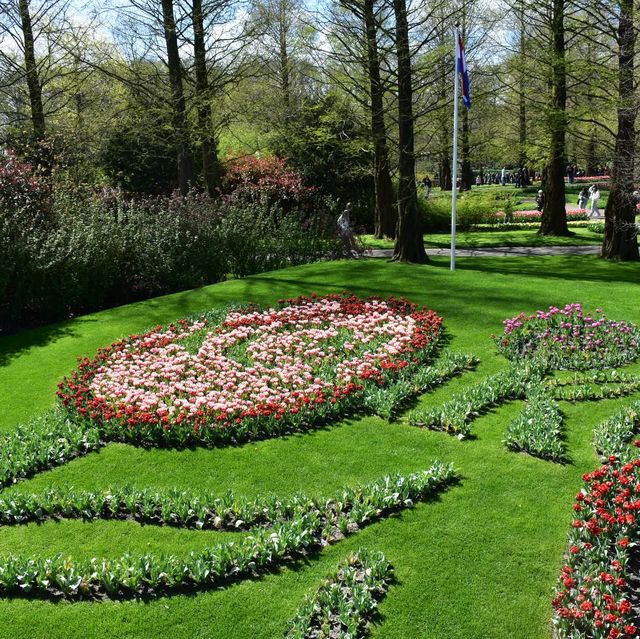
573 215
343 605
570 339
313 524
590 597
259 372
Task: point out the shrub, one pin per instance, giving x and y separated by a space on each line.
266 180
98 250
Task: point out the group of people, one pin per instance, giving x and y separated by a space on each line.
593 194
520 177
574 171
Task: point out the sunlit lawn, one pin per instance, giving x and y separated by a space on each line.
477 563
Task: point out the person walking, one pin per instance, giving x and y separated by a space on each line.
595 196
503 176
583 198
540 201
344 228
426 184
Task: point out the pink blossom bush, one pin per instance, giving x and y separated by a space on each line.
258 373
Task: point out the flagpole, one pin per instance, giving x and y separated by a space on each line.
454 172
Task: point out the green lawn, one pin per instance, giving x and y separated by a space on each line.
479 562
486 239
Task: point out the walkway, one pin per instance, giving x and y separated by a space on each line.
503 251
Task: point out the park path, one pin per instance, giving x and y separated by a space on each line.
502 251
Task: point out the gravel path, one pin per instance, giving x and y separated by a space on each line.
503 251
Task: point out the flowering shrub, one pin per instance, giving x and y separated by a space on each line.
267 179
20 185
258 373
590 597
570 339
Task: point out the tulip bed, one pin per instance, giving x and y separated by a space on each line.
591 598
257 373
569 338
540 343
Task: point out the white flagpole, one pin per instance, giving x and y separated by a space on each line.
454 172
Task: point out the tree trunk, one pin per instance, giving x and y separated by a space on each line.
284 57
409 245
592 155
384 218
554 215
33 83
444 173
211 170
522 98
178 103
620 231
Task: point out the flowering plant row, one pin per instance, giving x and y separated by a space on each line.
456 415
283 540
570 339
259 373
387 401
593 386
344 603
574 215
614 435
49 440
538 429
590 598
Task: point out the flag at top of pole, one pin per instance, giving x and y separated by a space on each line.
462 70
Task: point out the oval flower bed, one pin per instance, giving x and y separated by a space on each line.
590 599
258 373
569 338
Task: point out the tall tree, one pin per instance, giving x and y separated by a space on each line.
554 215
409 246
356 44
33 58
211 169
621 234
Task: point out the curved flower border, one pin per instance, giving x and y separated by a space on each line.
590 598
215 425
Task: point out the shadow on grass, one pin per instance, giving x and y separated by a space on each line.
12 346
574 268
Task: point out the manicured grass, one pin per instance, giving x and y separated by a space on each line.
478 562
487 239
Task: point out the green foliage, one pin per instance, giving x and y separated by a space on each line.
325 141
136 157
104 250
538 429
342 606
319 523
455 416
613 436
